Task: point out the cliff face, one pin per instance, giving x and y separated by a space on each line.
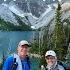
36 7
31 12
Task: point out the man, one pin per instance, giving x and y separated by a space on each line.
51 61
19 61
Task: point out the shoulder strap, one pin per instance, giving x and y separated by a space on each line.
14 65
63 65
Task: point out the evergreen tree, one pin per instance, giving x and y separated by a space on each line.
58 35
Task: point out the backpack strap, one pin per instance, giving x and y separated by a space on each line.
63 65
15 64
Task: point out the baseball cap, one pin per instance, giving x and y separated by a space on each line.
50 52
23 42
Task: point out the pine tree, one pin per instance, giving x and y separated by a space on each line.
58 35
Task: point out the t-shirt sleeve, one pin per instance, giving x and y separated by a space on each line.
7 64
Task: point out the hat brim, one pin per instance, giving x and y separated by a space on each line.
49 55
26 44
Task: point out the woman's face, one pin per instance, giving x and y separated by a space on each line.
51 60
23 51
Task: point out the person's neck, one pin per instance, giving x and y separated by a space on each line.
22 57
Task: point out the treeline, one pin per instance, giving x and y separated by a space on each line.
7 26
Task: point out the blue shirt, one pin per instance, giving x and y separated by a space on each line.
25 64
9 61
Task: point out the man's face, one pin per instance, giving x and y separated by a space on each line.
23 51
51 60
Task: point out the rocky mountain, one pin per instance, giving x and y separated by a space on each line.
7 12
27 10
46 18
36 7
35 13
